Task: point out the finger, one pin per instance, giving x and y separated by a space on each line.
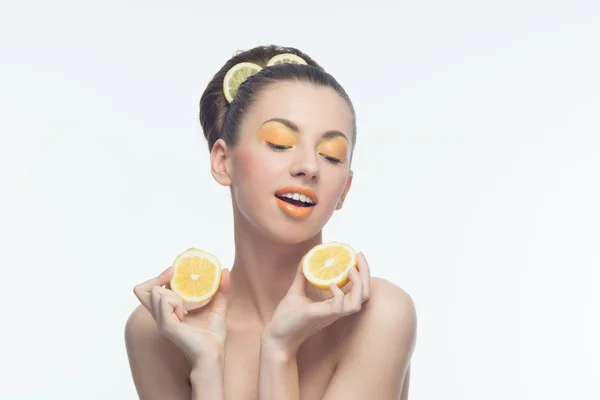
155 300
355 297
158 293
175 300
169 305
365 275
329 308
299 284
143 290
337 302
218 304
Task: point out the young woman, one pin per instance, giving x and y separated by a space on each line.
268 333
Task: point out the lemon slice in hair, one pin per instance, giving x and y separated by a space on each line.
236 76
286 58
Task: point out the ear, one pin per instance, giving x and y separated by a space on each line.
220 157
346 190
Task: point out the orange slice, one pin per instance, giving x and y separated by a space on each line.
329 263
196 276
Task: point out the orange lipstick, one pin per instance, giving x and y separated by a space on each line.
295 201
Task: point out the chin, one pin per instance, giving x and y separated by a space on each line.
276 226
290 232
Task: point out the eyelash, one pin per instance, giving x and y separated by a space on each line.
332 160
278 147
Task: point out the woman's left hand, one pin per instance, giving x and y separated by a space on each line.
297 317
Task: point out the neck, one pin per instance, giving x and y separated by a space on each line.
262 272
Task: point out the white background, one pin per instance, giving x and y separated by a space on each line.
477 178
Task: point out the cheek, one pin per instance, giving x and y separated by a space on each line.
245 164
248 169
336 184
254 175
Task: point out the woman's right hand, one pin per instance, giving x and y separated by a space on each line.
200 333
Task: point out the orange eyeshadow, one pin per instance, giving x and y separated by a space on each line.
336 147
276 133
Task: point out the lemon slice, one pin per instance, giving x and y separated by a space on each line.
236 76
286 58
329 263
196 276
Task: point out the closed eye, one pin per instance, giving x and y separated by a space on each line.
278 147
331 159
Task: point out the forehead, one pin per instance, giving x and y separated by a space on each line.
315 109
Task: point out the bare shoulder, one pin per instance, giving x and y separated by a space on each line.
387 321
158 368
378 343
390 304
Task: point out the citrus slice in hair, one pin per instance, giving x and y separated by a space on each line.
196 276
329 263
286 58
236 76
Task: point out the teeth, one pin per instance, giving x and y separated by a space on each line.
298 196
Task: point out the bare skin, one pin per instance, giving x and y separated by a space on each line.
362 352
160 370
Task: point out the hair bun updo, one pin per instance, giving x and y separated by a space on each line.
220 119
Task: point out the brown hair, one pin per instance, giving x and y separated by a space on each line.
220 119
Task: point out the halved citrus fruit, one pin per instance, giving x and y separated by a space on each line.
329 263
236 76
196 276
286 58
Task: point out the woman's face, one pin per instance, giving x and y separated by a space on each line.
290 168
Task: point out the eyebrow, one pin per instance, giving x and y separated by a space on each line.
294 127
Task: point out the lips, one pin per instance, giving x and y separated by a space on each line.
295 201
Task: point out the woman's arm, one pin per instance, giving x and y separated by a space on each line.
406 385
277 374
159 369
164 342
376 358
207 381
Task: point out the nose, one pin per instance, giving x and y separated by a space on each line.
306 165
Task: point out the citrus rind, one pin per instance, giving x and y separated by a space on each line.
236 76
286 58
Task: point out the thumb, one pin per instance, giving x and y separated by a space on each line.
299 284
218 304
